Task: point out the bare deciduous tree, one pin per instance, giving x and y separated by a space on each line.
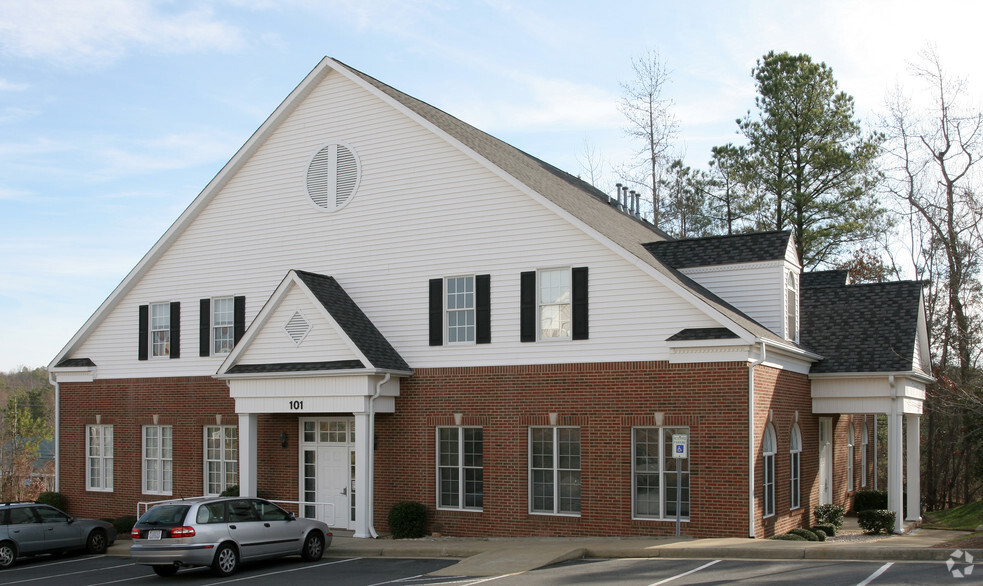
650 121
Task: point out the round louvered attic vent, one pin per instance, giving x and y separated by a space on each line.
332 177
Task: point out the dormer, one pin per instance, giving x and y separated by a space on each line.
759 274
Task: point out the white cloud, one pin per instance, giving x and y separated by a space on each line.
167 153
99 31
9 86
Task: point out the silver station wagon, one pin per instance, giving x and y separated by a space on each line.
221 532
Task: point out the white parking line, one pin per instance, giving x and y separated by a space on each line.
295 569
80 572
874 576
678 576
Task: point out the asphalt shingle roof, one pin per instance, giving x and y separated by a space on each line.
835 278
721 250
296 366
357 326
861 328
692 334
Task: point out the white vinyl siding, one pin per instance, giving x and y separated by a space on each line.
263 218
757 289
792 306
99 458
157 459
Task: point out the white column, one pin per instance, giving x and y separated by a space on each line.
913 453
363 492
247 454
895 488
875 436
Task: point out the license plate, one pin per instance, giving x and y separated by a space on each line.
153 534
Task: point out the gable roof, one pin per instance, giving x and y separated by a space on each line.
374 350
721 250
584 205
862 328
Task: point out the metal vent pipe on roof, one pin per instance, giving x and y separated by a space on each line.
617 193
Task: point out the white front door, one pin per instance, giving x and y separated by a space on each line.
328 471
825 461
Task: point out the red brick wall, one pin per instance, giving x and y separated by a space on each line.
604 400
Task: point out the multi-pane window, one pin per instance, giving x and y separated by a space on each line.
795 453
157 459
554 470
223 325
99 457
221 458
864 442
460 309
460 477
791 306
160 330
850 455
554 304
768 447
656 474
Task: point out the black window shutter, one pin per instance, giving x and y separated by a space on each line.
527 307
143 345
238 318
205 327
175 329
482 304
436 312
579 298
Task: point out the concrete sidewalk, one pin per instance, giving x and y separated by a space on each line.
497 556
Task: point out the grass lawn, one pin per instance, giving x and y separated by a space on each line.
967 518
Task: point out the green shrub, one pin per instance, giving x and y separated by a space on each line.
230 491
874 521
804 533
124 524
819 533
789 537
829 530
408 520
55 499
830 515
866 500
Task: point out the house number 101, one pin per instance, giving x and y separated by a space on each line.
296 405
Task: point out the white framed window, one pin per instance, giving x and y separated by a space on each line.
460 476
459 299
768 447
157 459
864 443
160 330
655 474
221 458
554 470
795 467
99 458
554 304
850 455
223 325
791 306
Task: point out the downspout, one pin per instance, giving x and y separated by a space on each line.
370 489
54 383
750 439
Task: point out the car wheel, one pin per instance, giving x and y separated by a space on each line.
165 571
96 542
8 553
226 560
313 547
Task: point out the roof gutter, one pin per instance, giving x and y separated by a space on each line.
751 436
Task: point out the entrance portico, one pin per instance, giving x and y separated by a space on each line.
896 396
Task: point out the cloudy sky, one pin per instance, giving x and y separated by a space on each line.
114 114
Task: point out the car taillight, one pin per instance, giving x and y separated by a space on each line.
183 532
135 533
